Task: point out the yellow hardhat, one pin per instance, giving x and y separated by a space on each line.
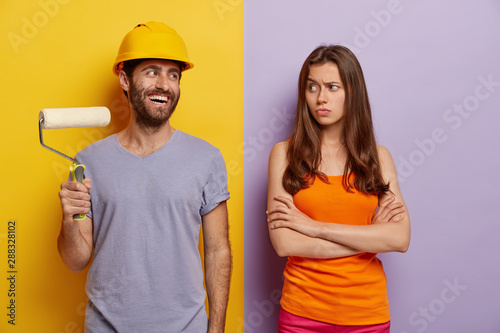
152 40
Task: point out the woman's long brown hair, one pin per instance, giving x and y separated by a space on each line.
304 148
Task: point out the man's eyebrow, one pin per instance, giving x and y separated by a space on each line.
155 67
173 69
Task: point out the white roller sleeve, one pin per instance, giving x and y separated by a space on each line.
75 117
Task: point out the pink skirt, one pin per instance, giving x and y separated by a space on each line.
290 323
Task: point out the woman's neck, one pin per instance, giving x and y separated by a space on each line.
332 136
333 156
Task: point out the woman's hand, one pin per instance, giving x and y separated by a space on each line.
286 215
389 211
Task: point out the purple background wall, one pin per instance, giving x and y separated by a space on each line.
433 76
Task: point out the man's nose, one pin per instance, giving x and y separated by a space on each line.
162 82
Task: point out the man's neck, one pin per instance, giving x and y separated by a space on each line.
142 141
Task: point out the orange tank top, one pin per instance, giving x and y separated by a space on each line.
344 291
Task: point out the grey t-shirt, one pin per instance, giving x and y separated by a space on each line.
146 274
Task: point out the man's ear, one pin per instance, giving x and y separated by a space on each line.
124 80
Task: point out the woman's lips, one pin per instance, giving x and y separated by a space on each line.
322 112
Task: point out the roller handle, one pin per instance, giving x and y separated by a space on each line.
77 174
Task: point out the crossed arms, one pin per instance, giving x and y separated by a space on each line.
295 234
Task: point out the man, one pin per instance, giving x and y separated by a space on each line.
152 187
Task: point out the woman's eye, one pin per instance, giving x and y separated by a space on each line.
334 87
312 88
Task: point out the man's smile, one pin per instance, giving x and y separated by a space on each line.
158 99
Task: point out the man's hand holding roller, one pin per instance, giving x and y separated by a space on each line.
75 240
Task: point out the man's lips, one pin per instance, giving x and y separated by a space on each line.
159 99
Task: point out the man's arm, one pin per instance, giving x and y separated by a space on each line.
75 239
217 265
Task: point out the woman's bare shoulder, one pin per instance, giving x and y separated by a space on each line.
384 155
279 149
386 164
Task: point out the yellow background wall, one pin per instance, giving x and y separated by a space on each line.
59 53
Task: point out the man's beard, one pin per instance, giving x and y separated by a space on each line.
146 117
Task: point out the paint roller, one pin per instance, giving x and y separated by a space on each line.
72 118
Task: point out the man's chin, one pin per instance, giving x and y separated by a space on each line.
152 124
153 118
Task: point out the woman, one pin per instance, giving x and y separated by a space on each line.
334 203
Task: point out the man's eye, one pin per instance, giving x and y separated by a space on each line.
174 76
151 73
